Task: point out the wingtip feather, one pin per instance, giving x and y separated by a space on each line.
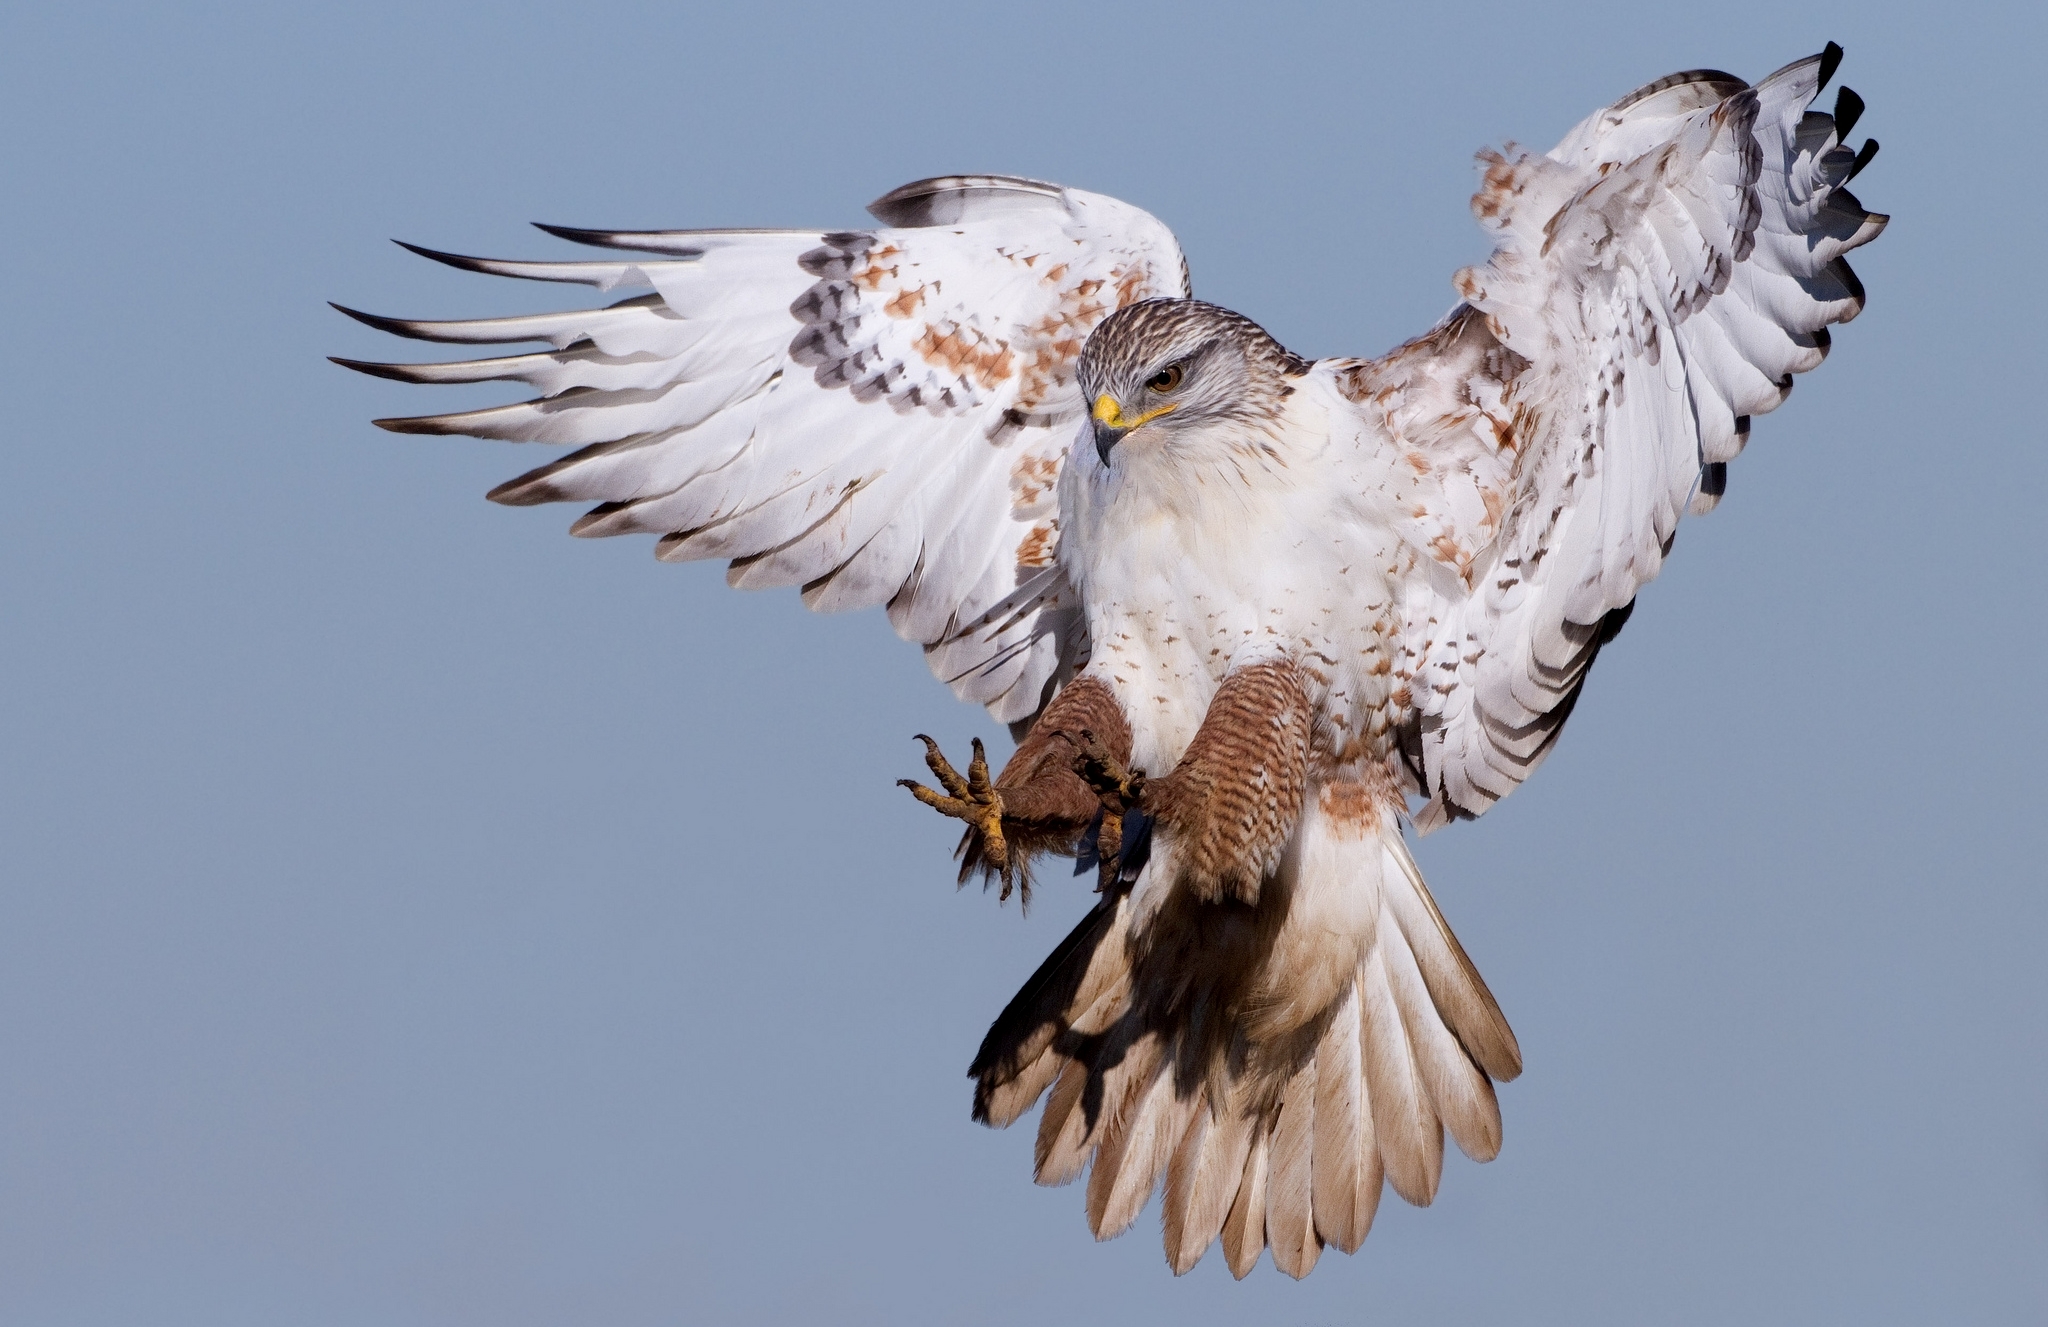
456 260
574 234
395 372
412 424
1849 109
1830 61
395 326
639 241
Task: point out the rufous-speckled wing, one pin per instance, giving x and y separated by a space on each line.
877 416
1659 277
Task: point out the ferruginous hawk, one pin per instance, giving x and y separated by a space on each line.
1309 600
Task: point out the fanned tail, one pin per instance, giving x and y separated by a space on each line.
1270 1065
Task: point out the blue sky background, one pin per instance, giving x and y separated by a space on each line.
410 915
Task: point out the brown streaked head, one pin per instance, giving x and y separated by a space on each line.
1179 364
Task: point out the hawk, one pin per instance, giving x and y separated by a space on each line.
1245 614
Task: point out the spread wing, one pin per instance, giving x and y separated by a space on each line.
1659 277
877 416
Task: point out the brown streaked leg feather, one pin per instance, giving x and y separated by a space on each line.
1038 804
1233 800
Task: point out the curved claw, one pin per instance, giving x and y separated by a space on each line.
1118 787
942 768
979 785
972 798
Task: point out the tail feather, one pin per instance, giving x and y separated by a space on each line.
1460 1094
1455 986
1108 1098
1215 1045
1072 978
1290 1209
1411 1137
1001 1104
1244 1230
1202 1182
1135 1149
1063 1143
1346 1154
999 1100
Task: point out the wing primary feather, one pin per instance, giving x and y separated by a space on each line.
431 424
1848 110
561 329
1830 61
604 276
1244 1228
405 327
946 199
639 241
673 243
462 261
395 372
510 367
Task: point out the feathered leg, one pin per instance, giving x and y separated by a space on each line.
1039 803
1231 803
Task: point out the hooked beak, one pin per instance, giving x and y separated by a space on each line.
1109 429
1111 426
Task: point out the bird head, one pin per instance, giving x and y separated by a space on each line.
1168 370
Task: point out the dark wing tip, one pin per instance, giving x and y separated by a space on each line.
1830 61
575 234
1848 110
414 424
945 199
587 525
396 326
527 490
467 264
1864 156
395 372
638 241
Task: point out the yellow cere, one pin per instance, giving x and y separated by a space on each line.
1112 414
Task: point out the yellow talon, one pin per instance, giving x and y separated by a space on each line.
972 799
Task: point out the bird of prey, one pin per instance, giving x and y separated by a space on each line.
1245 614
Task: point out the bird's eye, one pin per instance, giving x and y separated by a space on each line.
1165 380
